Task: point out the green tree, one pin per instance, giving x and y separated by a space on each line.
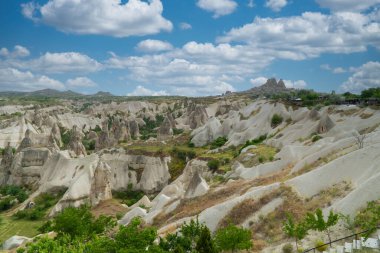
276 120
213 165
298 231
133 237
369 218
205 244
233 238
316 221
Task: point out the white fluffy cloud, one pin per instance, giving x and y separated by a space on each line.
276 5
364 77
154 46
18 52
308 35
347 5
337 70
218 7
142 91
184 26
16 80
299 84
62 63
258 81
104 17
80 82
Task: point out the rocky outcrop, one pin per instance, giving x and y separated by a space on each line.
325 124
120 130
15 241
105 139
56 135
197 116
75 145
197 186
207 133
166 129
101 184
270 87
26 142
133 127
6 162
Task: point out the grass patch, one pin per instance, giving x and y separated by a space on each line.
10 227
262 153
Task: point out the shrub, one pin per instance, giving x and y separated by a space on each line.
191 145
261 159
256 141
177 131
128 196
213 165
316 138
233 238
287 248
318 245
276 120
219 142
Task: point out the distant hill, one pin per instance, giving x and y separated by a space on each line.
52 94
269 88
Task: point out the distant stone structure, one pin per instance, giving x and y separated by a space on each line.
270 87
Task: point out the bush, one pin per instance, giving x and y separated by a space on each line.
213 165
318 245
261 159
287 248
129 196
233 238
256 141
276 120
316 138
219 142
42 203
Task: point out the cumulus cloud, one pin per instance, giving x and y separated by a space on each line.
364 77
218 7
308 35
142 91
184 26
300 84
251 4
103 17
154 46
80 82
17 52
276 5
16 80
347 5
61 63
258 81
337 70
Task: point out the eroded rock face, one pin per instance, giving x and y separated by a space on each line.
166 129
325 124
101 184
26 142
105 139
75 145
207 133
6 162
15 241
197 116
56 135
197 186
134 129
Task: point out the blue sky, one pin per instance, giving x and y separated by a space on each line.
188 47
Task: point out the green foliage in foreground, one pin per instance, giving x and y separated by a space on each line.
369 218
79 231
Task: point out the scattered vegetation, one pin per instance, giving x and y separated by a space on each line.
129 196
256 141
369 218
79 231
10 195
179 157
150 128
276 120
213 165
42 203
316 138
219 142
